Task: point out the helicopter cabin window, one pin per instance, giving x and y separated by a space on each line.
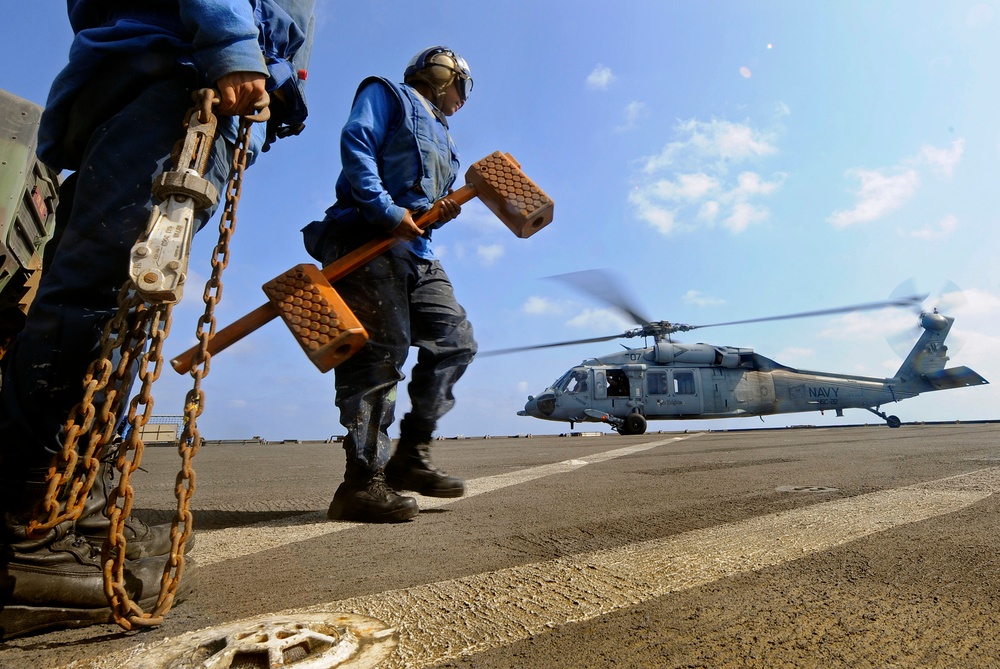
617 383
684 383
656 383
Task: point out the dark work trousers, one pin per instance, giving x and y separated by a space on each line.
402 301
105 206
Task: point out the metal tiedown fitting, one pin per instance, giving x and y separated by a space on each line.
497 180
160 257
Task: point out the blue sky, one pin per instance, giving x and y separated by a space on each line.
728 160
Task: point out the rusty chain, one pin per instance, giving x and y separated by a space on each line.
138 331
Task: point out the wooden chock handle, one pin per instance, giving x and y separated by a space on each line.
267 312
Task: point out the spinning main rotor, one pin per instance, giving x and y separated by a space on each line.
605 287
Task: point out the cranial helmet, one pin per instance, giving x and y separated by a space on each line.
439 67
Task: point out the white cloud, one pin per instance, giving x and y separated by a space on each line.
700 299
541 305
634 112
600 78
709 211
751 183
744 215
975 303
718 141
940 230
870 325
882 191
878 194
599 319
687 187
688 184
489 254
942 161
658 217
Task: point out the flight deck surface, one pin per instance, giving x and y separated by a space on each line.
851 546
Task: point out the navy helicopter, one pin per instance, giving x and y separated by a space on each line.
675 381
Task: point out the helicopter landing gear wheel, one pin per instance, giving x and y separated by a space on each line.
635 423
891 421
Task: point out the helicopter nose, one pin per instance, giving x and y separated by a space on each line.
540 407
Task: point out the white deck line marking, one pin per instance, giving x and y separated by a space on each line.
450 619
214 546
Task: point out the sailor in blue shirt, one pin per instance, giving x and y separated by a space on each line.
398 160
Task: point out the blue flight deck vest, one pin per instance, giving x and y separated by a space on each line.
414 179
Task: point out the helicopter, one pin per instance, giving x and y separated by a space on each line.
677 381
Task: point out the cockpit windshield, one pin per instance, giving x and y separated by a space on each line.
573 381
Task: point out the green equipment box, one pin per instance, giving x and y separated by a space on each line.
28 198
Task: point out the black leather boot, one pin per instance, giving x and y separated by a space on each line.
57 581
410 466
141 540
370 500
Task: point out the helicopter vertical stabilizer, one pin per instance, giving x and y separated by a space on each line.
927 359
929 354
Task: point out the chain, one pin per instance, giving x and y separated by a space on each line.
137 331
126 612
63 481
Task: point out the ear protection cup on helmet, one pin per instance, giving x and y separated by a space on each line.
439 66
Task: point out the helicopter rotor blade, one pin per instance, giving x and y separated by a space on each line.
909 301
517 349
606 287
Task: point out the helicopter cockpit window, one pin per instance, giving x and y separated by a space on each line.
617 383
577 382
574 381
684 383
656 383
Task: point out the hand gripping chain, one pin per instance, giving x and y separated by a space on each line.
138 330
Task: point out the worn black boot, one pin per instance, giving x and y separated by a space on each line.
370 500
141 540
410 466
57 581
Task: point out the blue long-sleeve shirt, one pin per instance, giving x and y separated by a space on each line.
374 112
216 37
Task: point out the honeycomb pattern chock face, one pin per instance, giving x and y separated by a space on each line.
322 323
510 194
